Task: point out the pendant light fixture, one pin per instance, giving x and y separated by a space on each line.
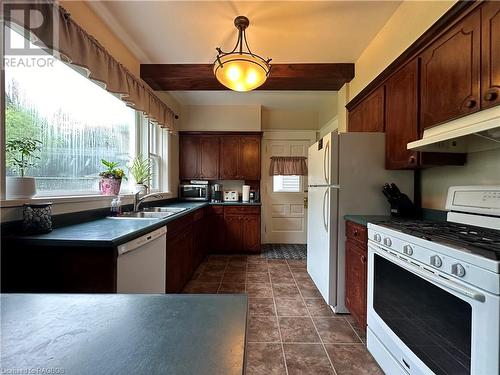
241 70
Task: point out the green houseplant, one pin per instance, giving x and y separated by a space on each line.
110 180
22 154
140 170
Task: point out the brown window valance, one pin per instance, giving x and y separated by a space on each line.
64 38
288 166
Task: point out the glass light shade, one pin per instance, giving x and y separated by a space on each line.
241 72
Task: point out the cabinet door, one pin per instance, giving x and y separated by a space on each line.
251 233
368 116
229 150
217 233
355 278
233 227
209 158
401 117
490 72
188 157
450 73
174 269
249 158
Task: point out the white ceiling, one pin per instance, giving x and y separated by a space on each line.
290 100
287 31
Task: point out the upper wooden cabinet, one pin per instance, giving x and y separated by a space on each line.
198 158
368 116
451 73
240 157
490 50
401 126
223 156
229 158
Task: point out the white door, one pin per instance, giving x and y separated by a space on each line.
283 213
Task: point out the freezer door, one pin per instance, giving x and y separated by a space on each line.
321 246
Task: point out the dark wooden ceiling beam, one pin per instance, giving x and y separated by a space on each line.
322 77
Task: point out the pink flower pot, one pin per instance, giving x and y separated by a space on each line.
109 186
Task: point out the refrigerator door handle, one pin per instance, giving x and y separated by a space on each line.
326 160
325 212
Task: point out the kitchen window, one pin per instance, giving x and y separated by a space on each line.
287 184
79 123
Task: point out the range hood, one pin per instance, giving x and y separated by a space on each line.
476 132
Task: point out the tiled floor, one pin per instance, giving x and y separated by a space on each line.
291 329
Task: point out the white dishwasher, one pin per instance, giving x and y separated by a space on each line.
141 264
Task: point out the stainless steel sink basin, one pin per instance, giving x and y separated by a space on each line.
150 213
173 210
143 215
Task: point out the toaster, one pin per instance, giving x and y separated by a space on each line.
231 196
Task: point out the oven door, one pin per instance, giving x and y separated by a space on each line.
426 322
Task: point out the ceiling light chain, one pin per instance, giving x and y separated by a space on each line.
241 71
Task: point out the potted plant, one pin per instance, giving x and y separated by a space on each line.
140 169
110 180
21 155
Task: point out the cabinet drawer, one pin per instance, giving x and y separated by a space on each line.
215 210
242 210
356 232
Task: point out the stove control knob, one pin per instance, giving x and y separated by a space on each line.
408 250
436 261
377 237
387 242
458 270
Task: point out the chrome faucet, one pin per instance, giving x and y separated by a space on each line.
138 201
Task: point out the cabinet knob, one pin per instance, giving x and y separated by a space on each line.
490 96
471 103
356 233
363 259
412 159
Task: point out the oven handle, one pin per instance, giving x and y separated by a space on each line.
426 275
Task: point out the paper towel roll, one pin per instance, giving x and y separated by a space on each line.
246 193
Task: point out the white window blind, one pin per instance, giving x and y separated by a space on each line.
287 184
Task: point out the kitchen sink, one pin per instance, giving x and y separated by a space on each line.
173 210
150 213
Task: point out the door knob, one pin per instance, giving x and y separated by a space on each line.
471 103
490 96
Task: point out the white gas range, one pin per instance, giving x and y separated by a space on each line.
434 289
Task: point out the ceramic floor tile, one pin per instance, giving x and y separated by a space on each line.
259 290
210 276
199 287
309 291
318 307
307 359
261 306
238 258
297 264
286 290
335 331
231 267
263 329
231 288
281 276
291 307
257 267
265 359
258 277
299 330
234 276
352 359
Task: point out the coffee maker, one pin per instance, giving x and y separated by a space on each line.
216 193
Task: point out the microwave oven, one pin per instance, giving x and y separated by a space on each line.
194 192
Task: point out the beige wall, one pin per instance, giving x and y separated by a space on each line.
221 118
482 168
289 119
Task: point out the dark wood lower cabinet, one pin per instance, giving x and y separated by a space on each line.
356 272
242 227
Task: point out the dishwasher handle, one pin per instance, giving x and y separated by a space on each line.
141 241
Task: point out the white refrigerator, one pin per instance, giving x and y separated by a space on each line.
346 175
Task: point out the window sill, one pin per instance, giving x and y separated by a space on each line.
127 198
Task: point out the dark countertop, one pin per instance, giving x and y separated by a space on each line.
108 232
426 214
124 333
